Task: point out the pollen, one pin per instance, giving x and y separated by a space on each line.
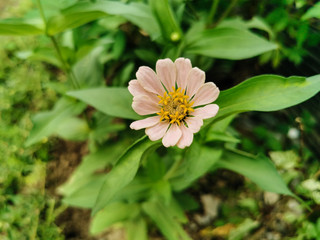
175 106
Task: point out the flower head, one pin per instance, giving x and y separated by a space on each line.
176 98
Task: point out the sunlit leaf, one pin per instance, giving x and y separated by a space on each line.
21 27
228 43
137 229
314 11
111 101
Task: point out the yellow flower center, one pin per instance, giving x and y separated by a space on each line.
175 106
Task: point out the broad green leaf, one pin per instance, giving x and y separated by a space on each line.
47 55
73 129
21 27
164 219
198 160
112 101
228 43
266 93
258 169
137 229
111 214
220 136
85 195
84 12
47 123
314 11
105 156
123 173
169 27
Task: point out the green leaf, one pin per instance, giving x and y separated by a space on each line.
21 27
84 12
91 163
314 11
198 160
47 123
137 229
169 27
228 43
74 129
85 195
88 70
113 101
123 173
163 218
258 169
266 93
111 214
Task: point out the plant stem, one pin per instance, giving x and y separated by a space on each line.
212 12
226 12
172 169
65 65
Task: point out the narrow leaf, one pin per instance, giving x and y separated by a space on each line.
229 43
123 173
137 229
259 169
111 101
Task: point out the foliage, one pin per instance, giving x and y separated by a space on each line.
126 178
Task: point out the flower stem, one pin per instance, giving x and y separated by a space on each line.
212 12
226 12
173 169
64 63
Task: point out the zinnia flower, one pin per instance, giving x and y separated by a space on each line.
175 98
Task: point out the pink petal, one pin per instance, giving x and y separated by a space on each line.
183 66
136 90
144 106
157 131
145 123
172 136
166 71
194 123
186 137
195 80
148 79
205 112
207 93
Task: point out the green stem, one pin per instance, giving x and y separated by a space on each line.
174 167
64 63
66 66
226 12
212 12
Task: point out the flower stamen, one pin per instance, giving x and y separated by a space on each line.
174 106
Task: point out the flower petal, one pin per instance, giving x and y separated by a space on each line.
186 137
145 123
149 80
205 112
144 106
183 66
194 123
157 131
136 90
166 71
195 80
207 93
172 136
